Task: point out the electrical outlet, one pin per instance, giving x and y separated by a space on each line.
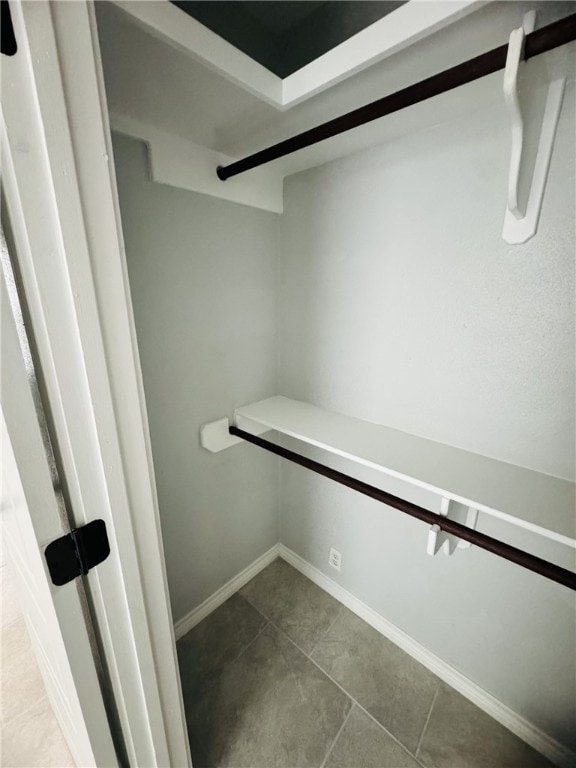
335 559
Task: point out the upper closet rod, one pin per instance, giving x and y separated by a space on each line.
525 559
558 33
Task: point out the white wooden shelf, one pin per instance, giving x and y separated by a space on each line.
531 500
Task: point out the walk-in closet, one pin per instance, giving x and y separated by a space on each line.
349 234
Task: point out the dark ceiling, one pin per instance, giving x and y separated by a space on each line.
285 36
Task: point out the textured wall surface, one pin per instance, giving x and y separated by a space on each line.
394 299
401 304
203 282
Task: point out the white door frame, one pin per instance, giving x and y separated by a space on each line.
60 189
32 513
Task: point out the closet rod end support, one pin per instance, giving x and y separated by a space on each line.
215 436
438 541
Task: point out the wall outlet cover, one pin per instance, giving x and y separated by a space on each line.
335 559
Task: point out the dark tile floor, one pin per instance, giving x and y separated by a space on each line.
283 676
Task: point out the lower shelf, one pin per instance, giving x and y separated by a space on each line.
531 500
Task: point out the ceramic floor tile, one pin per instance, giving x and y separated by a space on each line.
9 607
363 744
271 708
208 647
297 606
387 682
34 739
20 679
459 735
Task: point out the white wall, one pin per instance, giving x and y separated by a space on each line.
398 303
203 281
401 304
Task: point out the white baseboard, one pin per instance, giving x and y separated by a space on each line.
186 623
525 730
528 732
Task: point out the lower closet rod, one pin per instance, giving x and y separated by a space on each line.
531 562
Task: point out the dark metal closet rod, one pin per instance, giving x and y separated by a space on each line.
542 40
531 562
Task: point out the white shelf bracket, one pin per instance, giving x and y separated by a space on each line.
215 437
445 542
521 223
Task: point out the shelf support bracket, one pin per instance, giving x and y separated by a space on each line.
521 222
215 437
445 542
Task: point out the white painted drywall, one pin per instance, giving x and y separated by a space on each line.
203 281
400 303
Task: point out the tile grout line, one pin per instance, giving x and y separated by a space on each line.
346 693
418 760
256 636
331 747
268 622
421 739
268 619
245 648
366 712
251 603
322 636
325 633
200 742
272 623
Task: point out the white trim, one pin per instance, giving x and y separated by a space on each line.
525 730
398 30
401 28
186 623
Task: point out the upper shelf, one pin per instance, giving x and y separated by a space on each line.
528 499
405 26
205 103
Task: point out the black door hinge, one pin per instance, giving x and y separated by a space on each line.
75 553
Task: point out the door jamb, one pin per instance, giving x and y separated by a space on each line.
73 270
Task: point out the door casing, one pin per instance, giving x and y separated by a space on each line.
62 201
